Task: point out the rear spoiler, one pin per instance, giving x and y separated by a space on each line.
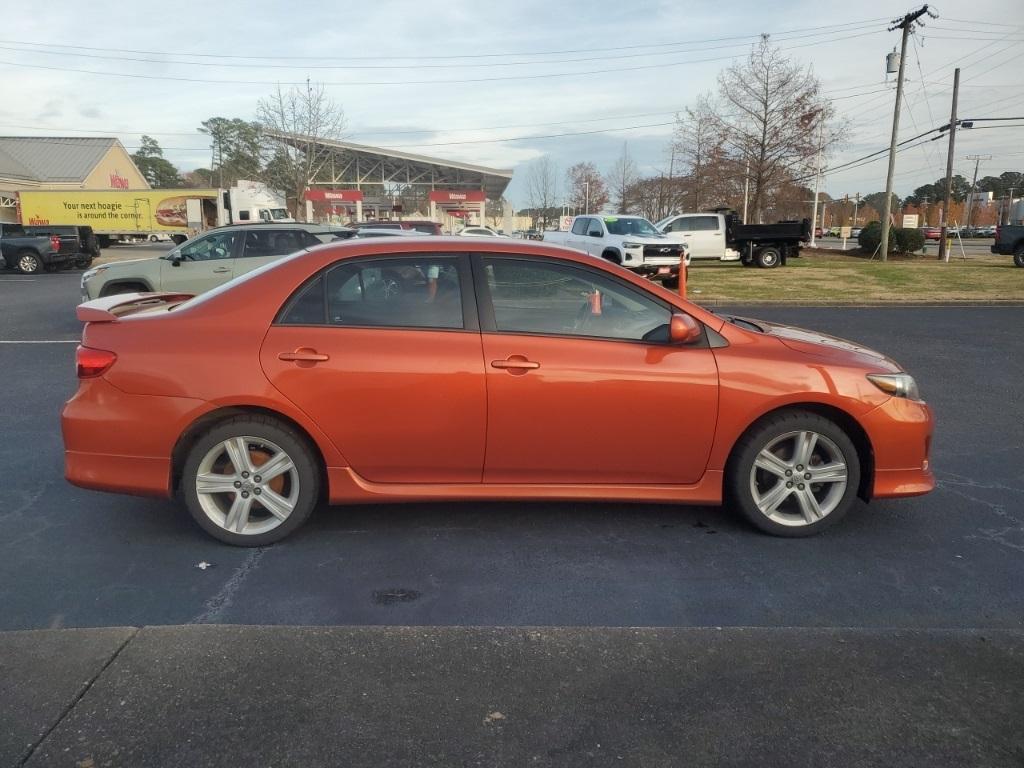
109 308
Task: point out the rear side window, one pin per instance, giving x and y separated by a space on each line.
416 292
579 227
273 242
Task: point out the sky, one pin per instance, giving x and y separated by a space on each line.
490 83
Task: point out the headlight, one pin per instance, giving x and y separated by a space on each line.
90 273
896 384
632 245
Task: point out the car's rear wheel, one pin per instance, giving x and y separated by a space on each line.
1018 256
768 258
250 481
795 474
28 262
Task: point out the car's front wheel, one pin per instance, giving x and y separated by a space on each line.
795 474
250 481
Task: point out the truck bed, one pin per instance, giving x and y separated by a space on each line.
794 231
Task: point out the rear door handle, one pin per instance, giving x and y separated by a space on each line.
222 269
303 355
516 364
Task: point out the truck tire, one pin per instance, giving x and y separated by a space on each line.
178 239
1018 256
612 256
84 263
768 257
28 262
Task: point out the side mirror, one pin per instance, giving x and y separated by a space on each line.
683 329
176 260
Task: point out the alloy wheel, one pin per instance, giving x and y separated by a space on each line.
247 485
798 478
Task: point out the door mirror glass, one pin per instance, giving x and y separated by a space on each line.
683 329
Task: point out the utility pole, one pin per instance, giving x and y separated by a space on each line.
746 190
944 222
905 24
817 179
856 204
974 183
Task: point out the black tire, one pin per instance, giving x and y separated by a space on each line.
83 263
1018 256
738 481
671 283
153 239
28 262
612 256
257 427
768 257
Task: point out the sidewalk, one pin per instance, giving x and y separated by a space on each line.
448 696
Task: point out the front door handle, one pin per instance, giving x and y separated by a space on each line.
515 364
222 269
303 355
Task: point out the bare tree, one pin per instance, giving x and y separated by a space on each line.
622 177
297 120
699 141
772 116
542 188
587 190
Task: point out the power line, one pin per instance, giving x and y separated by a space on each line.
647 46
304 66
352 83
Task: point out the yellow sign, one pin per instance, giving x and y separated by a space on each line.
151 210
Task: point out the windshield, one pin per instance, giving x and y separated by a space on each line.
277 214
631 226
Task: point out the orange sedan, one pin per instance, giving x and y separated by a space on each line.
461 369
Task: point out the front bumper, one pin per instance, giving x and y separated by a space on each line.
901 431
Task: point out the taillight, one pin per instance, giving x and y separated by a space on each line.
55 242
93 362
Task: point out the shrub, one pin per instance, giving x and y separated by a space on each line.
909 240
869 237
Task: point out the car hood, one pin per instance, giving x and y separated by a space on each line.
131 262
826 346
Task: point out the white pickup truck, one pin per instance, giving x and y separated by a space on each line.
722 236
631 241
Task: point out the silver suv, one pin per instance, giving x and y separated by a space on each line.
209 260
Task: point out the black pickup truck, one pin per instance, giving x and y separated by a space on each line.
30 253
1010 240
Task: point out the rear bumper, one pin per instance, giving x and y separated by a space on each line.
136 475
116 441
1000 250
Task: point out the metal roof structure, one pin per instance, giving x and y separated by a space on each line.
344 164
53 160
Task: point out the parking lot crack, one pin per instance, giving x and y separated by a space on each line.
214 608
78 697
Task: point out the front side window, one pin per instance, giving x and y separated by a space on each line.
413 292
681 225
273 242
595 229
532 296
218 245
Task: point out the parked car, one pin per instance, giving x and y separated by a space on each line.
631 241
354 374
31 254
479 232
364 232
78 240
989 231
1010 240
724 237
423 226
931 233
209 260
855 232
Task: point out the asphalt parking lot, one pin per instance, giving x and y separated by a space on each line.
75 558
550 634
